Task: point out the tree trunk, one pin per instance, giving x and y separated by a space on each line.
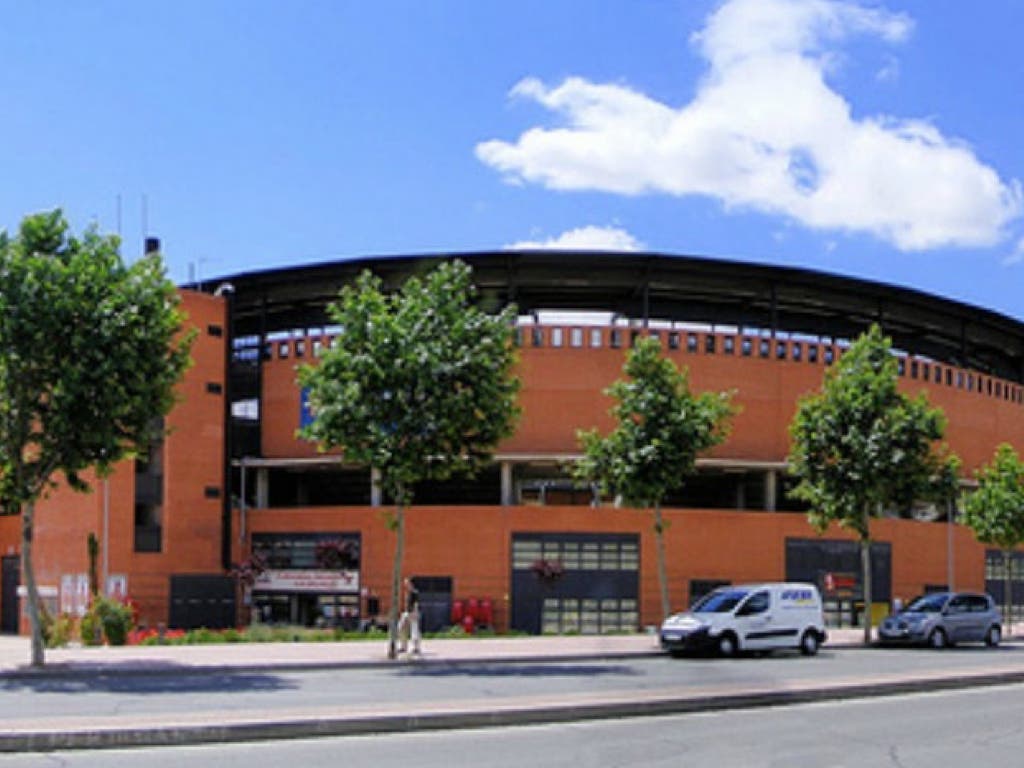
659 546
1008 590
34 619
396 581
865 567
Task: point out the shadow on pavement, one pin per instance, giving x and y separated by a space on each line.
520 670
165 681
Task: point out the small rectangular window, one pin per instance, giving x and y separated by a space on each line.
576 337
988 386
901 367
830 355
633 336
926 372
937 374
764 348
300 348
959 379
797 351
537 337
656 335
215 330
673 340
812 353
595 337
691 342
318 347
913 369
999 389
214 388
746 346
709 343
517 339
970 382
211 492
729 344
615 339
283 349
949 377
780 350
556 337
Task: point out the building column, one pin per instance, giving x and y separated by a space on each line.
771 490
507 499
376 495
262 488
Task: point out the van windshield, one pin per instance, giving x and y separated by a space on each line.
720 601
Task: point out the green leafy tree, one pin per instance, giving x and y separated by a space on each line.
861 447
661 428
90 352
419 387
995 511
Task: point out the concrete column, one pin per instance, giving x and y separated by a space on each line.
376 494
262 488
771 490
507 497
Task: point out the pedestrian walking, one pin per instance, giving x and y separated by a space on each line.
409 623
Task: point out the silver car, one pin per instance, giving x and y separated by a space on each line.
941 619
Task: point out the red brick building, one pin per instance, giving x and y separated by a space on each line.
232 477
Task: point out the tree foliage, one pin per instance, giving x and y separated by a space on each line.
661 427
90 352
995 511
861 447
419 385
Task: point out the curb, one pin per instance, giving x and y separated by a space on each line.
427 720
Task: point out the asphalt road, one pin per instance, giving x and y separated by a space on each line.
940 730
33 700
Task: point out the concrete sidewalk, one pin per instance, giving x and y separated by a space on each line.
15 653
193 727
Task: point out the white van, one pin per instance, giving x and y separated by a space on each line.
749 617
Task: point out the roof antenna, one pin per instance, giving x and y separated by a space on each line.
145 215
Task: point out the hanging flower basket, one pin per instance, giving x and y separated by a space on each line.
337 554
548 571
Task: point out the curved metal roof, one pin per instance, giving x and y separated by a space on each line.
660 286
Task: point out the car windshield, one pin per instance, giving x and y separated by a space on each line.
928 603
720 601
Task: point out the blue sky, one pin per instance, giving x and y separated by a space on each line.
876 139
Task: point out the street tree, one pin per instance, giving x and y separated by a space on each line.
90 352
995 511
860 447
418 386
661 427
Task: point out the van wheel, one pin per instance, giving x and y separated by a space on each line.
938 639
993 636
809 643
727 645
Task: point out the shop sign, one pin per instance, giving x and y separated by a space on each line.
307 581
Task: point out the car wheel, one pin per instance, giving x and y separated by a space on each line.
809 643
727 645
993 637
938 639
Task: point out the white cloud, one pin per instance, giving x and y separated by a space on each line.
589 238
766 132
1017 256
